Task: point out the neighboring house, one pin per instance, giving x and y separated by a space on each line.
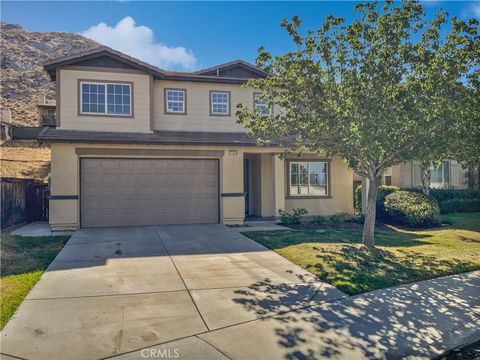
6 126
47 111
137 145
450 174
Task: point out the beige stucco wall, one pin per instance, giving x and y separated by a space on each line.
198 116
65 214
341 190
65 174
69 99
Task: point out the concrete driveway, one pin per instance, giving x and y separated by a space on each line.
119 290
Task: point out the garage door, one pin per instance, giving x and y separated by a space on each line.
134 192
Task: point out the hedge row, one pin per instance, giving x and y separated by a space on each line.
459 205
455 200
449 200
450 194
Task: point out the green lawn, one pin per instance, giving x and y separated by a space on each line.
335 254
23 261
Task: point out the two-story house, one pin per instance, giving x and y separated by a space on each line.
138 145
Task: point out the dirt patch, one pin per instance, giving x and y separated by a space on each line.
25 159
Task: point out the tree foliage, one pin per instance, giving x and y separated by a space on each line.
377 91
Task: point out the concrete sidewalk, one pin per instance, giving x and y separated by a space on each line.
415 321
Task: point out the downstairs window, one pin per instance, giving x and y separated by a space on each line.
308 178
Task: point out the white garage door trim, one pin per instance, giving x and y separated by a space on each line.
82 185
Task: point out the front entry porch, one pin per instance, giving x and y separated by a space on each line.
263 185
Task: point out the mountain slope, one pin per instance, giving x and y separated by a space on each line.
23 78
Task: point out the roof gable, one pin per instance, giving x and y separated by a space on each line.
235 72
234 69
101 57
105 61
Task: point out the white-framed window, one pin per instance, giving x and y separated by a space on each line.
261 105
220 103
175 101
104 98
440 175
308 178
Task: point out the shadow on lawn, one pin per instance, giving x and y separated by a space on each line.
385 237
388 323
354 270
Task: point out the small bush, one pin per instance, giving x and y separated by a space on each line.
459 205
294 218
320 220
357 199
359 219
342 217
382 192
412 209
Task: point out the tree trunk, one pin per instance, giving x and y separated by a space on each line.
478 176
370 214
471 177
426 179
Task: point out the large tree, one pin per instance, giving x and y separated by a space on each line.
461 143
376 91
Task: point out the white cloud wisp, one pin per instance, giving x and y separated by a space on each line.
139 42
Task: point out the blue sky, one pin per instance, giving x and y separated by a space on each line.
189 35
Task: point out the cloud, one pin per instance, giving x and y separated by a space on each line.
476 10
139 41
472 10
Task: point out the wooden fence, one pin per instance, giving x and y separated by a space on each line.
23 200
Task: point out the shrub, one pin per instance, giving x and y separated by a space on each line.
412 209
359 219
294 218
357 199
382 192
319 220
450 194
455 200
342 217
459 205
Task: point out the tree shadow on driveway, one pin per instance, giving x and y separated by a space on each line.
421 319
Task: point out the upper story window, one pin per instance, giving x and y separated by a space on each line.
175 101
261 105
308 178
106 98
220 103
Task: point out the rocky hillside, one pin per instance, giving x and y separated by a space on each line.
23 78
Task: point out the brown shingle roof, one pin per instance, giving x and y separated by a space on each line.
51 65
231 64
52 135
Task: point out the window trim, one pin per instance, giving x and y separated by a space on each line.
443 184
105 82
210 93
165 102
287 179
255 94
